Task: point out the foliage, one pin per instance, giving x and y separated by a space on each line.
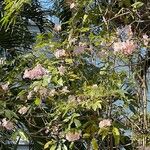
82 86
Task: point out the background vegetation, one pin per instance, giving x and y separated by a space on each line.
82 81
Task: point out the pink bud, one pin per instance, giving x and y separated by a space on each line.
145 39
105 123
5 86
73 136
72 5
30 95
59 53
7 124
57 27
23 110
52 92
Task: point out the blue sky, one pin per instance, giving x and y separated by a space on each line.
47 4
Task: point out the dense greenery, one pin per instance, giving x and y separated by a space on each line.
84 84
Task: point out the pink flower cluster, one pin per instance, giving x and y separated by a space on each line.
52 92
5 86
59 53
126 48
7 124
73 136
72 5
105 123
57 27
23 110
30 95
43 92
35 73
145 39
61 70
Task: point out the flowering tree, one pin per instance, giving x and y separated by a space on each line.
84 86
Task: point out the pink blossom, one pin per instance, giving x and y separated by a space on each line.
94 86
52 92
35 73
23 110
47 130
60 53
105 123
43 91
145 39
2 61
57 27
127 48
36 88
145 36
27 74
55 129
72 40
72 5
78 50
7 124
30 95
117 46
73 136
61 70
5 86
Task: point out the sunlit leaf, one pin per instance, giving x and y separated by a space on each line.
137 5
37 101
116 135
94 144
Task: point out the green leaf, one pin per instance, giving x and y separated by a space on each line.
60 82
85 29
94 144
50 143
116 135
104 132
64 147
10 114
53 147
46 80
137 5
47 144
59 147
37 101
69 61
71 145
22 135
77 123
84 18
86 135
96 105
